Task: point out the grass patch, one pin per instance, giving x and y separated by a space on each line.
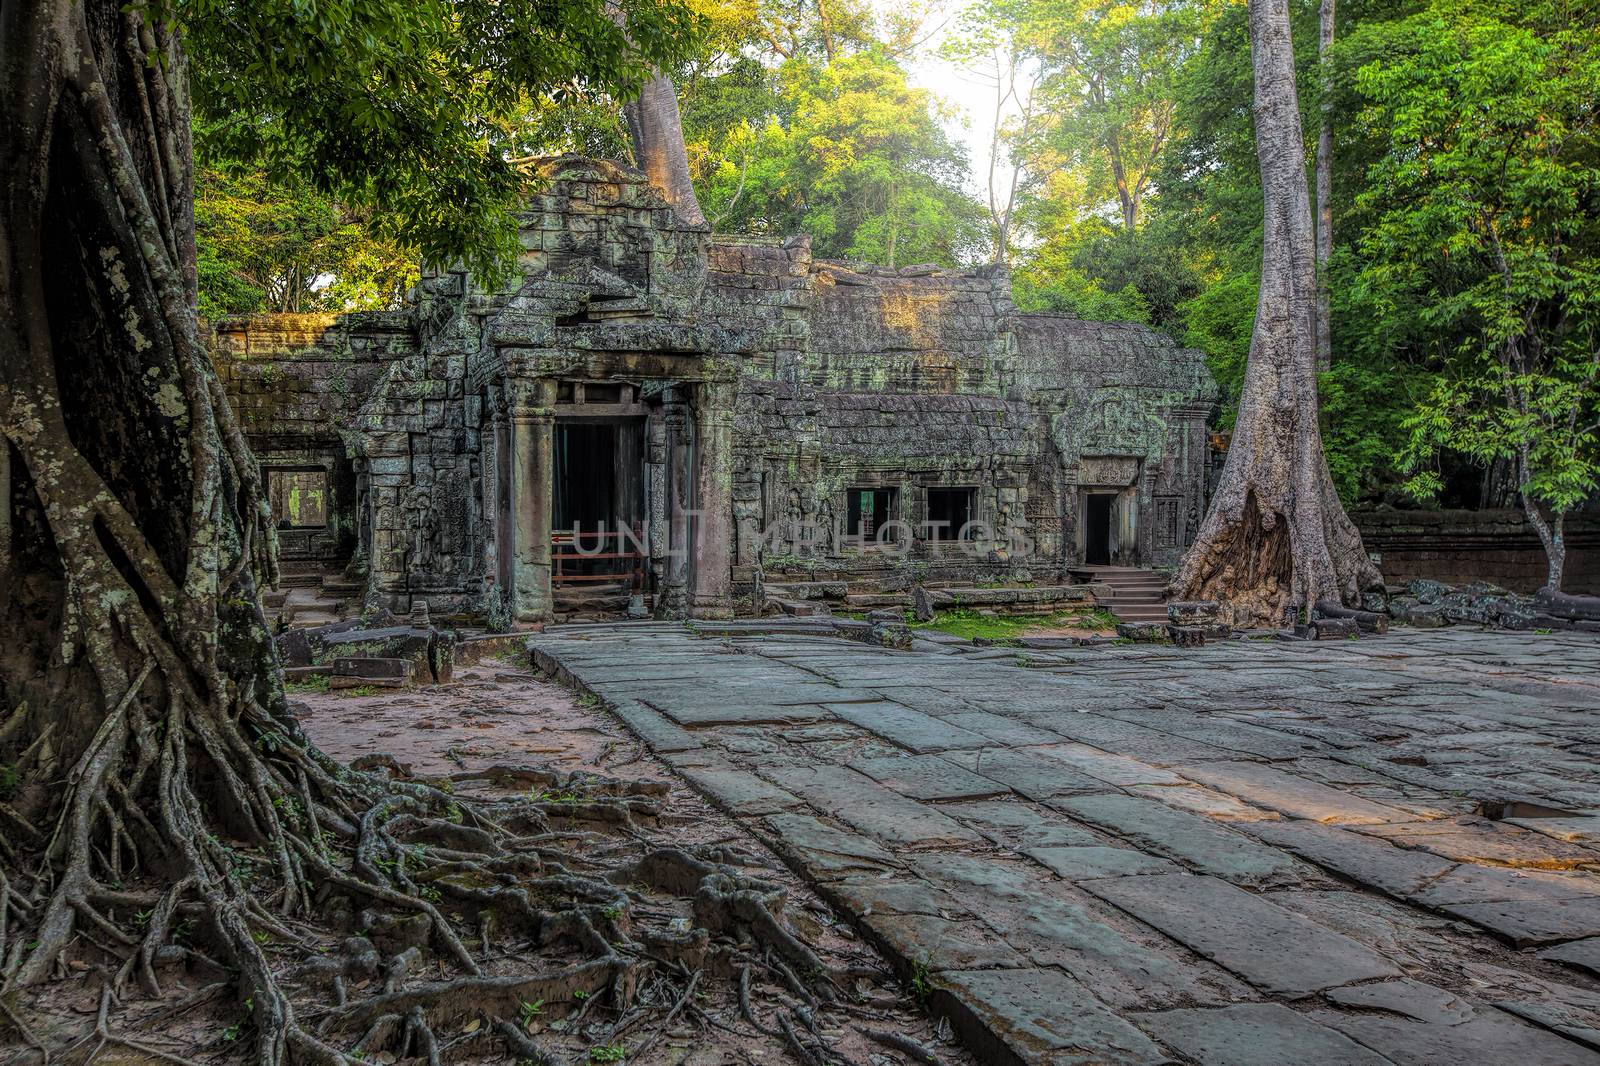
360 690
969 624
314 683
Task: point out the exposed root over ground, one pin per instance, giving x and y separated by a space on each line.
504 913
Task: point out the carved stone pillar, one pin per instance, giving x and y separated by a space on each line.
532 467
713 531
672 595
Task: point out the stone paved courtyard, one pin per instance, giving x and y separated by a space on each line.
1372 851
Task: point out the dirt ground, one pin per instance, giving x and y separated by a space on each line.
498 714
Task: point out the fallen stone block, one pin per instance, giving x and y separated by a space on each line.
1334 629
1145 632
1193 612
379 672
1187 636
1422 616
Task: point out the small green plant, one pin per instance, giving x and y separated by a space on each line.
10 780
360 690
529 1011
608 1053
921 979
311 683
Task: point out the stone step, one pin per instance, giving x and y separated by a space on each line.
1139 614
798 608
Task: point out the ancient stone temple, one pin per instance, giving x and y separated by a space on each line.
648 410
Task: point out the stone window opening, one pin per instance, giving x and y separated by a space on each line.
298 498
951 512
869 511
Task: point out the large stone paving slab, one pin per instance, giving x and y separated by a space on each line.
1206 845
1245 933
1247 853
1043 1017
1255 1034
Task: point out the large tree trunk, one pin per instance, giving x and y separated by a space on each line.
160 783
1276 536
138 675
1325 20
657 133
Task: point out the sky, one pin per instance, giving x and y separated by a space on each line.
972 98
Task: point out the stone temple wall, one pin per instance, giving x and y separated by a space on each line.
919 379
767 387
297 383
1496 546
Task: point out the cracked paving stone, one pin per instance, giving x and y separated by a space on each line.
824 850
1198 799
1015 824
1276 950
1582 954
919 923
1212 848
1255 1034
1292 795
1363 859
1479 840
1030 772
1055 925
739 792
659 732
861 802
1042 1018
1532 922
1414 1024
927 777
1001 730
910 729
1088 863
1113 769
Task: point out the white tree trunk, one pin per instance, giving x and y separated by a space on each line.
1276 535
1325 192
657 133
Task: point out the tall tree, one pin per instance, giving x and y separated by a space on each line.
141 710
1276 535
657 133
1484 222
1325 20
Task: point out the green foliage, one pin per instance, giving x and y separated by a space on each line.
314 683
1482 224
408 108
846 151
969 624
268 246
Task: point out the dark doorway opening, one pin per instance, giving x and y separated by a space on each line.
597 505
949 512
1097 529
869 511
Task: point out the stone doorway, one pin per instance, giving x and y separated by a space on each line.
1098 530
598 549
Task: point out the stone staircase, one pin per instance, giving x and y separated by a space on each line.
1136 595
309 596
